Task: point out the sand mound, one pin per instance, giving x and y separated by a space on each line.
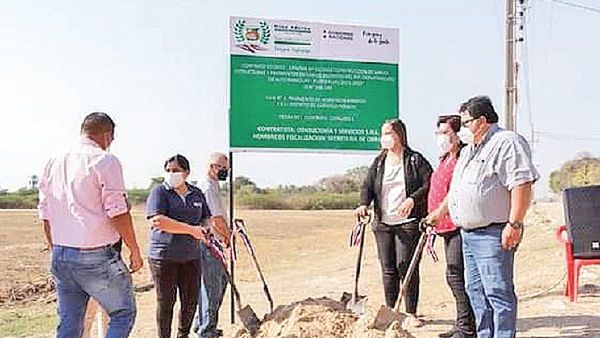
321 317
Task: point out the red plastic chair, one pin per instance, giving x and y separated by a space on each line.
573 264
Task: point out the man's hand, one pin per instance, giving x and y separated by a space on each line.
227 241
361 211
511 237
135 261
406 207
219 227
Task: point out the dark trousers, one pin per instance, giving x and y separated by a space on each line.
170 277
455 277
395 248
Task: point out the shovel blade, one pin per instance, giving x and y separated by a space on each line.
385 317
249 319
358 306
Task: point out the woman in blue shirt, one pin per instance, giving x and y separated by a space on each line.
176 211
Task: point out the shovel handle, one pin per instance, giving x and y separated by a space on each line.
411 268
240 222
363 220
236 294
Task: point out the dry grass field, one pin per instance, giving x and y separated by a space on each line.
305 254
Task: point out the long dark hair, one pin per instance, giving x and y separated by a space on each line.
400 129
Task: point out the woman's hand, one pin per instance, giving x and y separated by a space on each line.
160 222
199 233
361 211
406 207
433 218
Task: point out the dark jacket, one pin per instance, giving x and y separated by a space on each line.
417 172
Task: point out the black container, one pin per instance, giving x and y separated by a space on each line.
582 216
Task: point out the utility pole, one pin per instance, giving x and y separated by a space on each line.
511 90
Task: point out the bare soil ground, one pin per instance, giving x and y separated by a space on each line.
304 254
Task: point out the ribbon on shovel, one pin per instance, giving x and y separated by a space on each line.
355 235
241 232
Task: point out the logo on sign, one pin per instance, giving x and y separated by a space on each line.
251 38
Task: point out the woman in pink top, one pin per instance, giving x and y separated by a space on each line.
449 146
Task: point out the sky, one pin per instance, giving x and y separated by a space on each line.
160 69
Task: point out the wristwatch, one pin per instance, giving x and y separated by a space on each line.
516 225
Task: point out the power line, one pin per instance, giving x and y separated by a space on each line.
578 6
566 136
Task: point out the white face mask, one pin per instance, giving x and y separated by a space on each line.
443 143
387 141
174 180
465 135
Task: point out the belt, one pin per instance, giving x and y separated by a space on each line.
484 227
114 246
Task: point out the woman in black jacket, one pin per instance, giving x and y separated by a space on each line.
397 183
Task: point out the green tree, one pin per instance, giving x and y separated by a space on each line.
582 171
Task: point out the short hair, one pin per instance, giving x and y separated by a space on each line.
452 120
215 157
480 106
180 160
97 123
400 129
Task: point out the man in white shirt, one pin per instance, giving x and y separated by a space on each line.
213 282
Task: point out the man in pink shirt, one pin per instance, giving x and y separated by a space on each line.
84 212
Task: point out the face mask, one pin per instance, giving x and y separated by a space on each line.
222 174
387 141
465 135
443 143
174 180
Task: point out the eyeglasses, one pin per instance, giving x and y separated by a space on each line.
465 123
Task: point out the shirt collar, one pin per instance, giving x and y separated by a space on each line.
494 128
88 141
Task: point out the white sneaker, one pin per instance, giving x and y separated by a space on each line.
412 321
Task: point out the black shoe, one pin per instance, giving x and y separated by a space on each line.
448 334
463 334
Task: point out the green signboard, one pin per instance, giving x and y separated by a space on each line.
292 91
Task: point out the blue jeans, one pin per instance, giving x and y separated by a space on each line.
100 274
212 288
489 282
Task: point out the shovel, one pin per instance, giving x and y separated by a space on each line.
239 223
247 315
355 303
386 315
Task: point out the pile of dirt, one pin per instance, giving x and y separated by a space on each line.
321 317
38 290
